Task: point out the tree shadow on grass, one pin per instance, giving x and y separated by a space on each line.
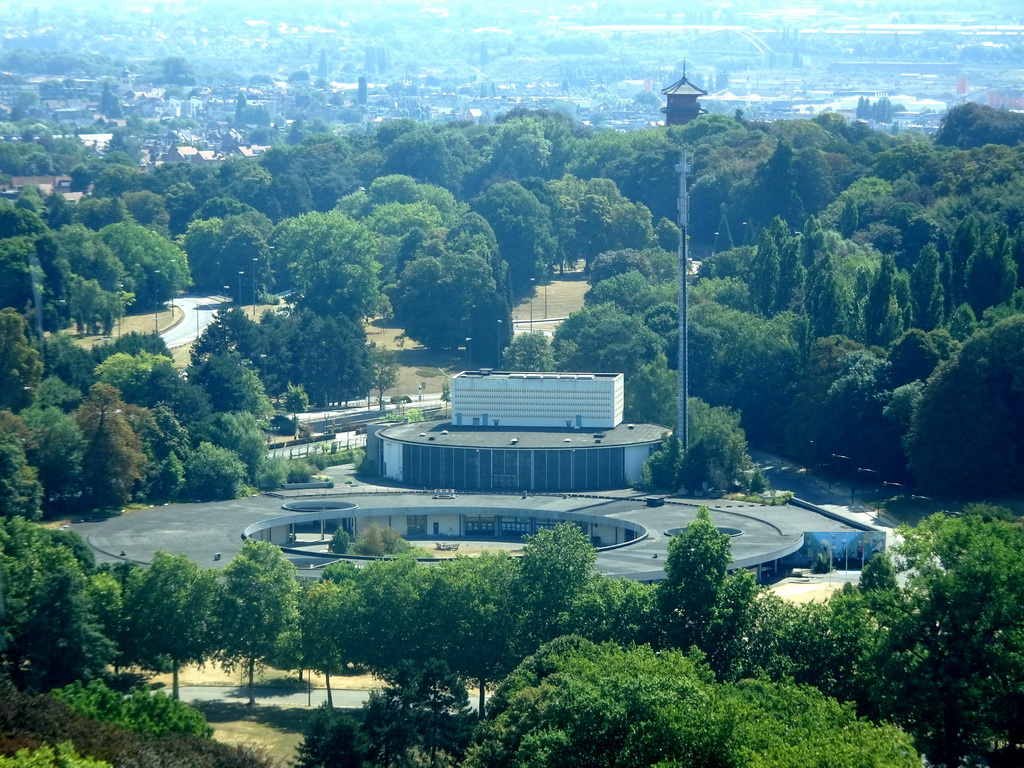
283 719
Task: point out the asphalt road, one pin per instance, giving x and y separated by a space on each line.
199 312
345 698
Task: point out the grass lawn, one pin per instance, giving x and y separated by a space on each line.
273 728
143 323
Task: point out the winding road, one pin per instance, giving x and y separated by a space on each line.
199 312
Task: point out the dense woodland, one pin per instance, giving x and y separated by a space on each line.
858 293
858 303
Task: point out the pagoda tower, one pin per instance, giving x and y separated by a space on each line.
682 104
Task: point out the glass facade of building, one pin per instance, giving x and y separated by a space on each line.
486 469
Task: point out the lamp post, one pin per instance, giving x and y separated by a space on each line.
501 352
156 303
831 552
120 307
860 469
546 299
240 273
469 348
255 266
834 456
532 288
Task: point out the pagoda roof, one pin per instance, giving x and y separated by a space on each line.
684 88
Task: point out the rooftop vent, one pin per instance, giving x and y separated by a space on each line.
423 434
567 440
514 440
445 431
630 426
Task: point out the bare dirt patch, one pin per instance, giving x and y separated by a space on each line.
806 592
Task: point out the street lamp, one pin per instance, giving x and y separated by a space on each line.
533 284
469 348
156 304
240 273
255 267
546 299
834 456
859 469
501 352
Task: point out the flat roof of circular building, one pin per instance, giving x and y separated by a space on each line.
200 530
444 433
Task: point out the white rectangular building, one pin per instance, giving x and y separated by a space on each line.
488 398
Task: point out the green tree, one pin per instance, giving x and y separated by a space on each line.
603 338
578 704
703 606
20 491
34 568
926 289
325 610
332 737
113 460
938 643
259 605
170 610
383 371
717 454
18 360
295 402
973 447
137 377
529 352
240 433
231 384
555 568
56 450
522 227
213 473
155 267
333 261
991 272
472 621
651 394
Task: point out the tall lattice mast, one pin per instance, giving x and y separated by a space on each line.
683 423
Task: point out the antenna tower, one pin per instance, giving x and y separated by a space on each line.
683 423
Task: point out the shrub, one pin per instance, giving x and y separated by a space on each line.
378 542
300 471
149 713
822 564
339 542
214 474
273 473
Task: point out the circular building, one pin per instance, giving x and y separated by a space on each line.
438 454
553 432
